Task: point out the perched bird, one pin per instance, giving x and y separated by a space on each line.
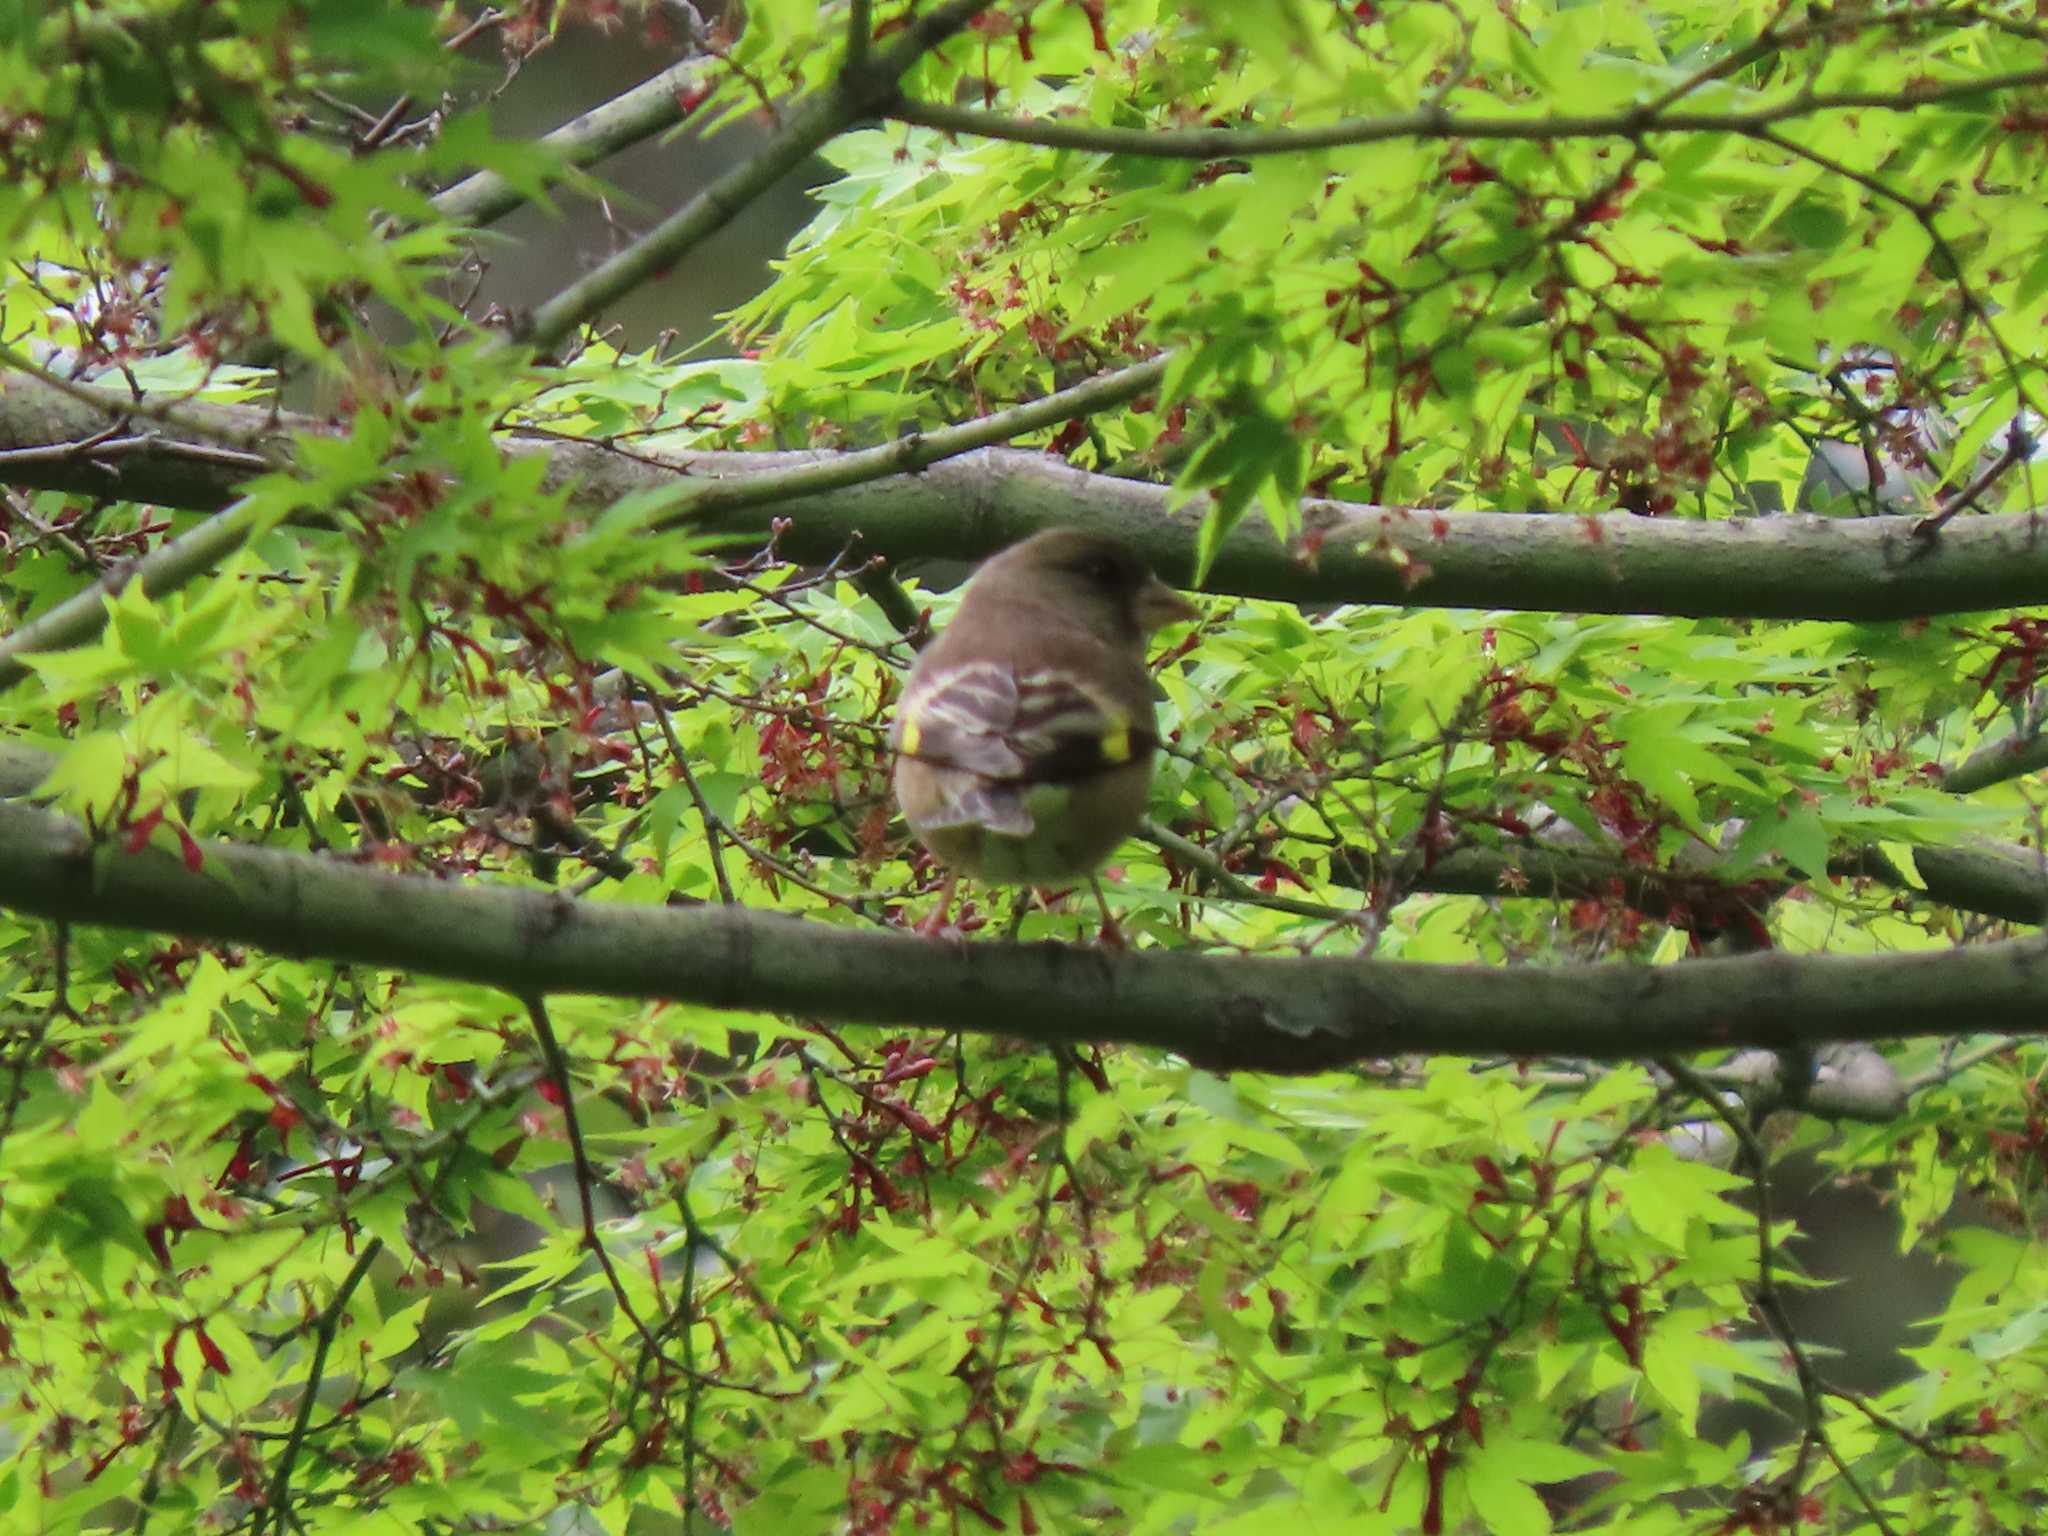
1025 736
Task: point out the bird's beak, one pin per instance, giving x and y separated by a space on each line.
1159 605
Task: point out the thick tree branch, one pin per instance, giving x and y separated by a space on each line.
2001 880
2010 757
1771 567
1868 569
200 465
82 616
1993 879
1224 1011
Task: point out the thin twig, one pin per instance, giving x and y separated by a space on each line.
1923 211
2018 445
1234 888
586 1180
1437 124
586 1174
324 1328
486 19
1955 1067
713 826
1770 1302
686 500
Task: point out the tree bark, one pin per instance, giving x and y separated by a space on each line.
1221 1011
965 508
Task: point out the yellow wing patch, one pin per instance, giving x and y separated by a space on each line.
908 739
1116 743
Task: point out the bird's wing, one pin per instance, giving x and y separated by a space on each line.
961 717
1067 730
995 732
1045 725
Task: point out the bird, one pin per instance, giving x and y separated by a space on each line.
1025 735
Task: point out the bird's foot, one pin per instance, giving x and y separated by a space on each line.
935 925
1111 936
954 934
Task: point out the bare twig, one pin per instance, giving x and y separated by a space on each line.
1954 1066
586 1180
586 1174
2018 445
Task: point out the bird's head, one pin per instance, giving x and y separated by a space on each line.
1100 581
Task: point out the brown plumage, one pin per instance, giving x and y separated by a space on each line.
1026 732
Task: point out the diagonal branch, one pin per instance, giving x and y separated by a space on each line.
640 113
164 569
860 91
2010 757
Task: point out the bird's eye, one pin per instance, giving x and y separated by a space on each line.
1102 570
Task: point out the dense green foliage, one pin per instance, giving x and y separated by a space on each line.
294 1244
